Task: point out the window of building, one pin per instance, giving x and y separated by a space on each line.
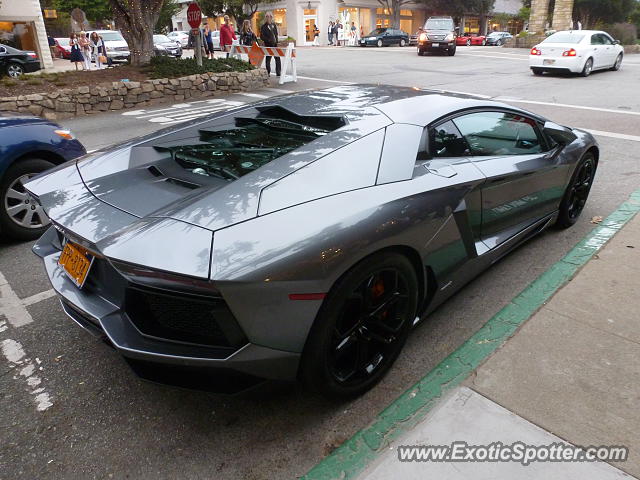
20 35
406 13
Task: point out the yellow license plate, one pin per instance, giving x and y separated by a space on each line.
76 262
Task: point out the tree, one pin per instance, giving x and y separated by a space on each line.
97 11
136 19
594 12
236 9
394 6
168 10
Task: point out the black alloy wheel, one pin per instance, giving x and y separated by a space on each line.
362 327
577 192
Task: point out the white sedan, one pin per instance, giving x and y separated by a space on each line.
576 51
178 36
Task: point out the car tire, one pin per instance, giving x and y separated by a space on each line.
588 67
351 320
379 43
451 51
537 71
616 66
577 192
420 53
499 43
15 70
402 42
12 195
484 42
468 42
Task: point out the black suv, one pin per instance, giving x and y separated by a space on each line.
439 35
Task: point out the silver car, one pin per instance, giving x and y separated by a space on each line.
301 237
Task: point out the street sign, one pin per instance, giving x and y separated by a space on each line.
194 15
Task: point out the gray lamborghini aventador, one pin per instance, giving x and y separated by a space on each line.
302 236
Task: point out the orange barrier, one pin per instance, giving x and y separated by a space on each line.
256 55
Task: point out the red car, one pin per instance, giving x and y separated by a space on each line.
471 39
63 49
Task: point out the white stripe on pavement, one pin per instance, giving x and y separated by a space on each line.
325 80
254 95
566 105
277 90
620 136
38 297
11 306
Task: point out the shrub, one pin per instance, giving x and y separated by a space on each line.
8 82
625 32
166 67
34 81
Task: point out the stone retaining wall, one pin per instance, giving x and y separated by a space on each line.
71 102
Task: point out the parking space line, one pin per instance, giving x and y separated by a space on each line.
491 56
15 355
38 297
11 306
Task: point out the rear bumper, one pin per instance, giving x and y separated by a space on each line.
221 369
559 64
31 66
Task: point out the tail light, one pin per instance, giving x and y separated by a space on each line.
535 51
32 54
569 53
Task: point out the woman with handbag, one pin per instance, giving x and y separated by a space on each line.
98 50
247 37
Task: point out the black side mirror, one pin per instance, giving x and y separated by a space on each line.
558 133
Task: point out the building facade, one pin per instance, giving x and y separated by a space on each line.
22 26
297 18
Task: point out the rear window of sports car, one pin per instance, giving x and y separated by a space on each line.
252 141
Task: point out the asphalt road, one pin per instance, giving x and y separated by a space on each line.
94 419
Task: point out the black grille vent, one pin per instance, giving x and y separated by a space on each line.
183 318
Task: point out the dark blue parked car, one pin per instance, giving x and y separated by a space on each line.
28 146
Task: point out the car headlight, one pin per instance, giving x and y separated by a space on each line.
449 38
111 49
422 37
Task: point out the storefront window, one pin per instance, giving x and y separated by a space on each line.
406 13
19 35
472 25
280 19
383 11
310 21
406 25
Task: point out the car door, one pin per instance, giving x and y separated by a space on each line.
598 51
610 51
3 58
524 177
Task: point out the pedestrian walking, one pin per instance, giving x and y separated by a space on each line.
354 34
98 50
208 41
247 37
330 33
335 34
269 35
227 35
340 35
316 36
52 46
85 47
76 52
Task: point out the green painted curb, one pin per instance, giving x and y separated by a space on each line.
353 456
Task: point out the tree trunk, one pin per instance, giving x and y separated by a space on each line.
395 13
136 19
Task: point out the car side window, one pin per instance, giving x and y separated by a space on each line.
500 133
595 39
3 50
605 39
446 141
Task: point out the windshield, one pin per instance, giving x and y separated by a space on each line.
248 142
495 34
111 36
63 42
160 39
439 24
564 37
377 31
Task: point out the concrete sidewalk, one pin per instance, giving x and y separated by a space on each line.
571 373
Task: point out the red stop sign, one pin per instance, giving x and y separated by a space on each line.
194 15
